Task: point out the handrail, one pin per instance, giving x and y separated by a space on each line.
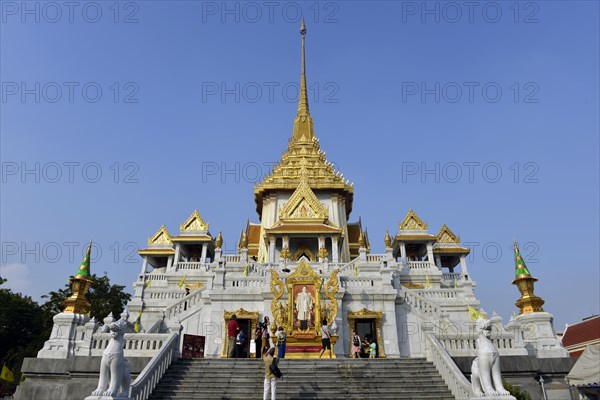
422 304
180 305
147 380
348 265
452 375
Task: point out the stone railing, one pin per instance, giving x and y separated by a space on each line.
357 282
452 375
452 276
442 294
232 258
152 277
420 265
422 305
247 281
464 344
136 344
348 266
163 294
185 303
375 257
147 380
192 266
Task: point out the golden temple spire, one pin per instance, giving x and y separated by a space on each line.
303 124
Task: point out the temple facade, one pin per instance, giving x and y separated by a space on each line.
305 240
303 264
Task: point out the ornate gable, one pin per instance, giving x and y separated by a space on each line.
160 237
304 206
194 223
413 223
447 236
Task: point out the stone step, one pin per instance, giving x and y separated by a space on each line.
329 379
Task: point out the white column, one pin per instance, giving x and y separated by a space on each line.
334 250
430 254
177 254
144 265
170 262
438 262
463 265
402 250
204 249
272 249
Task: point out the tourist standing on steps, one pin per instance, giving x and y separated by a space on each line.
270 379
325 338
258 340
232 331
265 345
281 339
355 353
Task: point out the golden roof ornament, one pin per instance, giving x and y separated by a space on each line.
80 284
161 236
219 240
529 302
194 223
387 240
413 223
244 241
361 240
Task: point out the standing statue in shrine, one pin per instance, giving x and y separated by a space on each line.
304 307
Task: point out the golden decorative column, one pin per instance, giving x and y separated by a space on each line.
529 302
80 284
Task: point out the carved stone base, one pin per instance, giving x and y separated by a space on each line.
108 398
490 398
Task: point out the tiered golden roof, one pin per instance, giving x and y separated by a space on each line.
303 151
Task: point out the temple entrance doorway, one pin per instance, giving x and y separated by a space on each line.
366 330
245 324
368 325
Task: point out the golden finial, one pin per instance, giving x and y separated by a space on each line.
244 243
303 124
387 240
219 240
361 240
529 302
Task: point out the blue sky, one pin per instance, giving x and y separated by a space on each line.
133 114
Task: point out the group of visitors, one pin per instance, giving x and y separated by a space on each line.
237 339
363 348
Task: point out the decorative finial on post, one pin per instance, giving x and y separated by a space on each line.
80 284
529 302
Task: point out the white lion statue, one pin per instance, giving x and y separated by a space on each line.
485 370
114 364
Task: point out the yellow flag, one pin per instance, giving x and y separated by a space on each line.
182 281
148 283
245 273
7 374
455 284
137 325
514 314
427 284
356 269
474 314
22 378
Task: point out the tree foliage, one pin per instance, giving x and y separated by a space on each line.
104 298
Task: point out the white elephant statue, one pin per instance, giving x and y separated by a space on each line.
485 370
